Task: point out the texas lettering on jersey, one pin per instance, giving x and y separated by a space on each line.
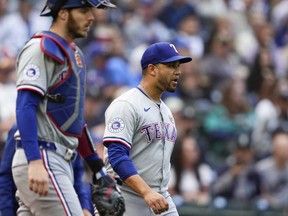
158 130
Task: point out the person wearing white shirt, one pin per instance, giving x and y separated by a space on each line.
190 177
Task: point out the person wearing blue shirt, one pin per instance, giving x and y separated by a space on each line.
8 202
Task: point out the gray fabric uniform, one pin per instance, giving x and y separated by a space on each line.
37 72
149 130
47 73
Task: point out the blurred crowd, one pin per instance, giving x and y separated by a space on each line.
231 105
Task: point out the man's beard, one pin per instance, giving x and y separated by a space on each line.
165 86
171 90
73 28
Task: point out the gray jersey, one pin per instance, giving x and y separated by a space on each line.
33 75
148 129
38 72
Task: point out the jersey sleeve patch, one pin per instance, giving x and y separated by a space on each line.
31 72
116 125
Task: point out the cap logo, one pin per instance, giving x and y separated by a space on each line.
172 46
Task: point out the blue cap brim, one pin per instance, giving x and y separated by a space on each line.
181 59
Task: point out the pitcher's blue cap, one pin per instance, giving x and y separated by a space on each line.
162 52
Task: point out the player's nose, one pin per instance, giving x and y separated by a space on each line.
91 16
177 71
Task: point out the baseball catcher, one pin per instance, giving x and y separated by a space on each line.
51 89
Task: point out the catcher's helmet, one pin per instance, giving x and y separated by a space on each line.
53 6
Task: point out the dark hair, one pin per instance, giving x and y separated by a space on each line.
54 15
279 130
176 161
257 75
227 89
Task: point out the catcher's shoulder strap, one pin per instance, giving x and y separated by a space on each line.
50 47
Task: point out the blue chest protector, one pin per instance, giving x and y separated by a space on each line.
65 105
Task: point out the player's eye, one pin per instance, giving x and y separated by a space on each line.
173 65
85 10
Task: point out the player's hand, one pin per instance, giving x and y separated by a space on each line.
38 178
86 212
156 201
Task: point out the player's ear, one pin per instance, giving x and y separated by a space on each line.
152 69
63 14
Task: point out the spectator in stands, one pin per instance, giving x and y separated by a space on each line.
251 27
190 177
194 89
97 55
262 77
274 172
108 68
117 66
18 26
188 31
7 97
276 105
3 9
220 61
227 119
144 27
210 8
179 9
238 179
279 20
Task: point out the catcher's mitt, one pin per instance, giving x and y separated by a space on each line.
106 197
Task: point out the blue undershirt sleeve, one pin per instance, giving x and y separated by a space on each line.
26 106
8 202
120 160
80 188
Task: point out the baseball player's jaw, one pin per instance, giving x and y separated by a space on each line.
174 74
172 85
79 22
169 74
